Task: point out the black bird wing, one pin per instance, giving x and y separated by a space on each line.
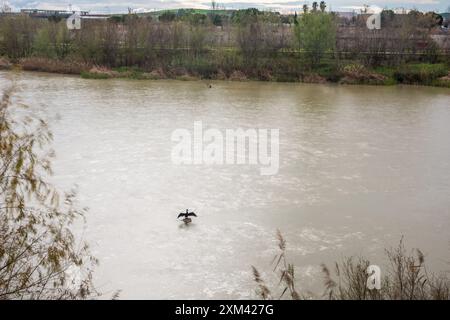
191 214
181 215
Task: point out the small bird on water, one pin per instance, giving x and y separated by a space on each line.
186 216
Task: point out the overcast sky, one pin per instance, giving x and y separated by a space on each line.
115 6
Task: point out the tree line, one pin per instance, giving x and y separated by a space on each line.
219 39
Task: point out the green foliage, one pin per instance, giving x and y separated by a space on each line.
203 67
42 46
328 69
196 19
216 19
422 73
445 83
316 35
117 18
130 72
167 16
245 16
53 41
127 69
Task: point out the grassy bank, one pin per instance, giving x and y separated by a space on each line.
418 74
347 72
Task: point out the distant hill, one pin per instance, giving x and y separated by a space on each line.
180 12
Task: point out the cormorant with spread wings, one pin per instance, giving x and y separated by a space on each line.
186 216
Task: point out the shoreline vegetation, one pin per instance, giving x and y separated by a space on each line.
426 74
404 276
315 46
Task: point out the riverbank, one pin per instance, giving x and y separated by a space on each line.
349 72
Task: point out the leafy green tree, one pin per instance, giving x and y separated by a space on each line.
216 19
245 16
167 16
197 18
316 34
117 18
305 8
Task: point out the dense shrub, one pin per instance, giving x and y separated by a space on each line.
422 73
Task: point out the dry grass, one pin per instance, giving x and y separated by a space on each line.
285 270
313 78
54 66
405 277
358 74
238 76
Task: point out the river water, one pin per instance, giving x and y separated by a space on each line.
360 166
